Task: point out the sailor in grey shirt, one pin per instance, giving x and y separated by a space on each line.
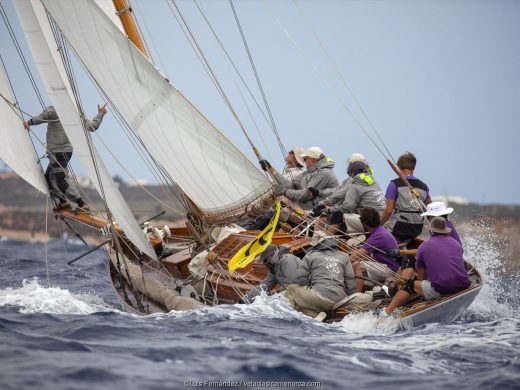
59 150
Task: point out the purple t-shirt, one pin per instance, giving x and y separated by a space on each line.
441 256
453 233
391 190
383 240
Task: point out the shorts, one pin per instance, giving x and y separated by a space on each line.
428 291
377 271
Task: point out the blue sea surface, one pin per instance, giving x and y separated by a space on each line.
63 327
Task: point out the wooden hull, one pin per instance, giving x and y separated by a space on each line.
168 285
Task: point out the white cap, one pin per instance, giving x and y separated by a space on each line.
298 155
356 157
436 209
313 152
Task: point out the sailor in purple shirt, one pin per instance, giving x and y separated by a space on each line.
380 242
439 209
440 268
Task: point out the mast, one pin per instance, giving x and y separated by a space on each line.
124 11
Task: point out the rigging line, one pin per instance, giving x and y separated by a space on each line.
214 79
68 68
259 133
63 240
206 66
46 240
153 165
363 256
16 105
340 73
15 110
264 97
64 54
143 152
21 55
326 82
138 184
236 69
142 21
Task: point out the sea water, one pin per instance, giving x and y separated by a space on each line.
63 327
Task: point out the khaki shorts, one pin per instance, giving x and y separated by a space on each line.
378 271
307 300
428 291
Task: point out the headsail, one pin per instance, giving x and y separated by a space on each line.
202 161
16 149
35 25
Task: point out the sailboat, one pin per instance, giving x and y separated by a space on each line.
159 268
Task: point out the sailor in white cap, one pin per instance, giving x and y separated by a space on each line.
319 175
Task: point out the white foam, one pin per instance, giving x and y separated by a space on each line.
33 298
368 323
485 249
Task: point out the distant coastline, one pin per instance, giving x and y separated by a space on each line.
22 215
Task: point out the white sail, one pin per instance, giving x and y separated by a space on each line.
35 25
211 170
16 149
108 8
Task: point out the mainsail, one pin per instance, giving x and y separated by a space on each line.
35 25
201 160
16 149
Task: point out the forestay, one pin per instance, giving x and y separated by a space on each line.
35 25
16 149
211 170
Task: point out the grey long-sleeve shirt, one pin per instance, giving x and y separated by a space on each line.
57 140
360 194
320 176
285 270
328 271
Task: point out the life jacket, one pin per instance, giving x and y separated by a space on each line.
406 202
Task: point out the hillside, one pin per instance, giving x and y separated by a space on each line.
22 215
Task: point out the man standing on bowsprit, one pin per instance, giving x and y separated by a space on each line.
59 150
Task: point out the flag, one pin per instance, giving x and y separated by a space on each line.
247 253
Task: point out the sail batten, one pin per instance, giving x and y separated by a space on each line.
34 22
201 160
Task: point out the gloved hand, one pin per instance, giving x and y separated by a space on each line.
265 165
315 193
393 253
279 190
318 210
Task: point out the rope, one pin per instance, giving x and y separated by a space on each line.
363 256
232 63
326 82
193 41
340 74
46 241
21 55
260 87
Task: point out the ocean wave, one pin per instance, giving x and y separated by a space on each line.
34 298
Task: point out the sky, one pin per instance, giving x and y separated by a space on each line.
438 78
